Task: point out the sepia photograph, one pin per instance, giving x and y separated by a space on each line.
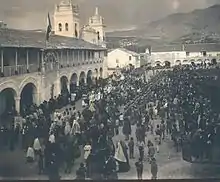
109 89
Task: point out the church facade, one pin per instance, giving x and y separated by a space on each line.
33 70
67 23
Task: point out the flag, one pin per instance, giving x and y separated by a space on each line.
49 27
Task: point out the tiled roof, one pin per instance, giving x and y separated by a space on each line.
202 47
32 39
211 47
126 50
167 48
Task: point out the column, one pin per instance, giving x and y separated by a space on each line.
78 60
17 104
16 60
83 59
87 56
73 57
61 57
27 59
67 56
42 62
38 60
2 61
57 61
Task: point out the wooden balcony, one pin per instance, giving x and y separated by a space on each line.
19 70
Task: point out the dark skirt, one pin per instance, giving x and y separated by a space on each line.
123 167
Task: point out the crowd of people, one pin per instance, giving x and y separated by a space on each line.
54 132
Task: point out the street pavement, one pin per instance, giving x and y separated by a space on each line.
170 164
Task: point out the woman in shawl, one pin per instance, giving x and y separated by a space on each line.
121 156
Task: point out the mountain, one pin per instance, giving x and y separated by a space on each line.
198 25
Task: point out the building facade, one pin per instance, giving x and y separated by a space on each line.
121 58
32 70
185 54
67 23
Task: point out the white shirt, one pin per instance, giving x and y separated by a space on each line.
121 117
87 151
36 145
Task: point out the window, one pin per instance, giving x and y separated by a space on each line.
60 27
66 27
187 53
76 31
99 54
117 61
204 53
129 58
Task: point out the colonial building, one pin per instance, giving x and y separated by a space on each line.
33 71
67 23
121 58
172 55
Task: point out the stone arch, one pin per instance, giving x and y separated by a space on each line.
167 64
158 63
185 61
28 95
73 82
214 61
199 60
89 77
26 81
101 72
178 62
63 84
9 84
82 78
193 63
7 103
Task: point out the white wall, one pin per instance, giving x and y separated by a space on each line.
167 56
64 16
89 36
123 59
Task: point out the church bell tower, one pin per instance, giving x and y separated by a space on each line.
97 23
67 19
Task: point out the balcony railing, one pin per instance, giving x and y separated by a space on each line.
85 62
19 70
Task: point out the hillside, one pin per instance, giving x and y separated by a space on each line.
198 25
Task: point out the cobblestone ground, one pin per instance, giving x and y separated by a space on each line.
170 164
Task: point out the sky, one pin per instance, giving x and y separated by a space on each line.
118 14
